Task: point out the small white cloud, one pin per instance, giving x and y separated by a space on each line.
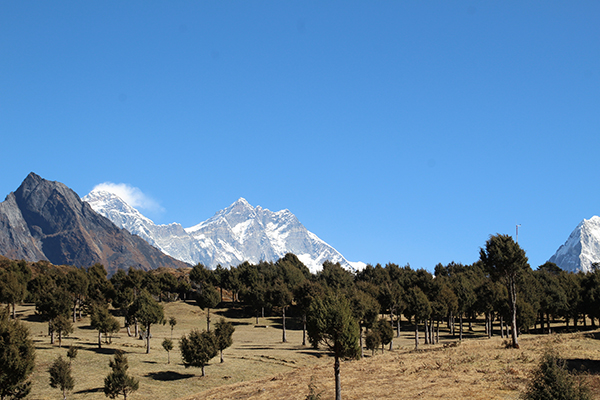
131 195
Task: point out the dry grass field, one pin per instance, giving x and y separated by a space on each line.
259 366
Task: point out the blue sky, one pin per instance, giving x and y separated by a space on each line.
397 131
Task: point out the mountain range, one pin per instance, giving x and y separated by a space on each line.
233 235
45 220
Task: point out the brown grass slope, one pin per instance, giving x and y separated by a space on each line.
259 366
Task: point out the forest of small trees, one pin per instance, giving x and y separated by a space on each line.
346 312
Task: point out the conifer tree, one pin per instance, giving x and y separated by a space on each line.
167 344
505 260
386 332
224 335
372 340
17 358
207 299
198 348
118 382
331 323
148 312
60 376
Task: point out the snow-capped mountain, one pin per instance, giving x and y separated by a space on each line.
236 234
581 249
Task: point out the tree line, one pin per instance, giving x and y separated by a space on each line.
343 310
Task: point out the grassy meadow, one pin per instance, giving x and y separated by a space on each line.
259 366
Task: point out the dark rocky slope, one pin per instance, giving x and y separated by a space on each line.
45 220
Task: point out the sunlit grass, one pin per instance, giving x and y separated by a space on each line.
260 366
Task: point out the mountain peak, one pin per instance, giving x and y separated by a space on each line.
233 235
581 249
47 220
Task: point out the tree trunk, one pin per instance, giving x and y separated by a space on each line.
203 374
79 301
426 332
431 331
512 294
208 319
283 339
99 339
460 322
75 311
338 383
304 330
416 335
437 333
221 355
398 326
148 339
360 340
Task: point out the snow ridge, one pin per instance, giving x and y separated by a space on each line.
233 235
581 249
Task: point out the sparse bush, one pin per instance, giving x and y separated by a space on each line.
552 381
312 391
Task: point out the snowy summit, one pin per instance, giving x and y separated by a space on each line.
236 234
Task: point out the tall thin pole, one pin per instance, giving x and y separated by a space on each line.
518 225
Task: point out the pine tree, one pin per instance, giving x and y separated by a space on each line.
331 323
60 376
148 312
17 358
198 348
224 335
118 383
167 344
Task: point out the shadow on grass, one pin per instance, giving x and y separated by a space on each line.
233 311
314 353
94 390
593 335
32 318
168 376
150 362
579 365
95 349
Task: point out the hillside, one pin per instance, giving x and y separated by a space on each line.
259 366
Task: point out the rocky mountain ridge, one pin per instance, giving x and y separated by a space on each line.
45 220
